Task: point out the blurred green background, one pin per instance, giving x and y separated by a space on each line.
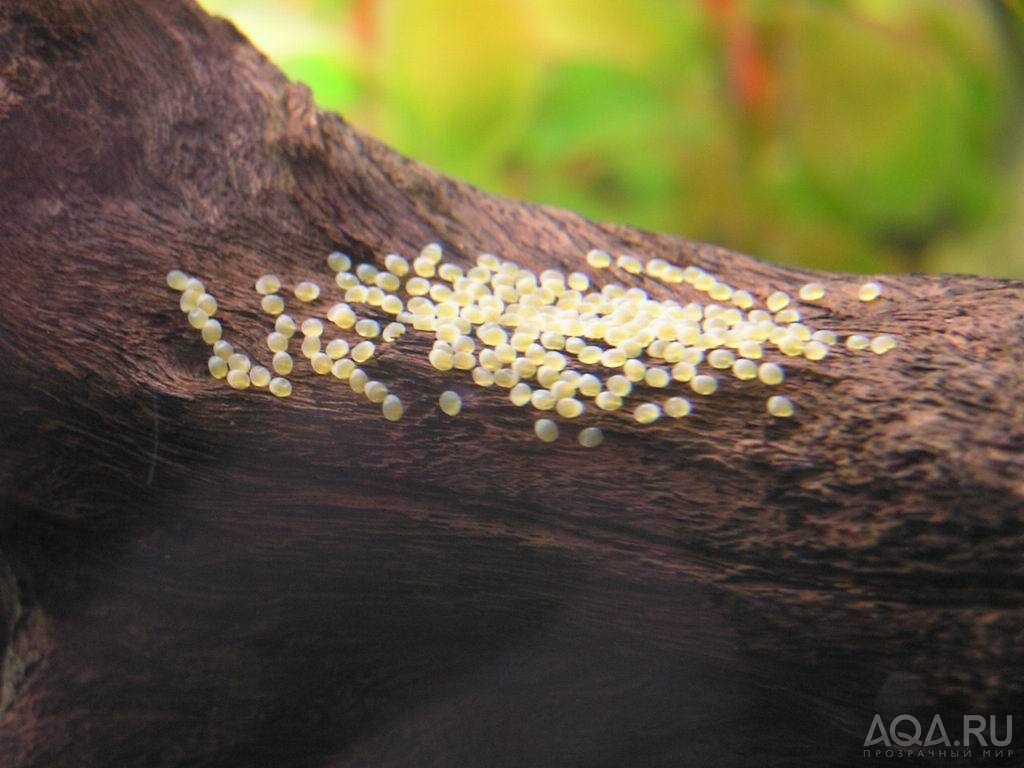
859 135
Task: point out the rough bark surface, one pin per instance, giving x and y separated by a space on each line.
191 576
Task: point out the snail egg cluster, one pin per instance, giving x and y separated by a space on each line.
557 343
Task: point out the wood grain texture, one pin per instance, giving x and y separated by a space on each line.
191 576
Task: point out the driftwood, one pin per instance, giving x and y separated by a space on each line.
191 576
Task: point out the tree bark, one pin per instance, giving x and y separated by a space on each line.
195 576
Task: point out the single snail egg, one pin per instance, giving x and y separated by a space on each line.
869 291
307 291
441 359
677 407
268 284
480 275
197 318
645 413
657 377
342 368
321 363
387 281
750 349
259 376
341 315
363 351
790 345
239 362
272 304
312 327
574 345
177 280
417 286
619 385
450 403
882 344
578 281
815 350
277 342
285 325
357 294
801 331
634 370
208 304
280 387
357 380
449 272
489 260
599 259
211 331
787 315
368 329
391 304
630 264
684 371
542 399
562 388
703 384
608 401
336 348
591 437
224 349
310 346
367 273
720 292
375 391
396 265
338 261
704 282
613 358
346 280
721 358
744 369
770 373
432 252
195 284
589 385
392 408
524 368
742 299
857 341
282 363
238 379
520 394
672 275
812 292
779 406
546 430
482 377
218 368
656 267
777 301
423 267
374 296
569 407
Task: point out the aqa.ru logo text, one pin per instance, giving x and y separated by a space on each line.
906 737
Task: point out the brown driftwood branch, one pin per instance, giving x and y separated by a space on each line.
193 576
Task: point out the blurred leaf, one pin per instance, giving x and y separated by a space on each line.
890 136
460 79
878 139
337 85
